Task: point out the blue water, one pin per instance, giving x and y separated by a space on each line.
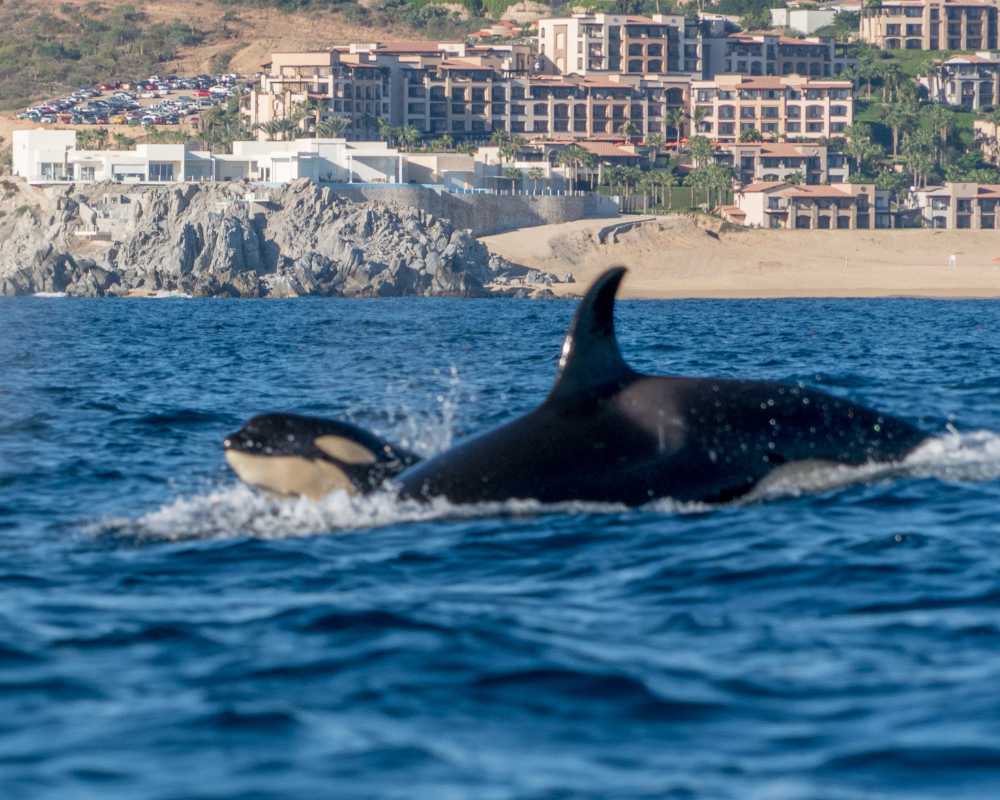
167 633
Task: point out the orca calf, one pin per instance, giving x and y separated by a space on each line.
605 433
295 455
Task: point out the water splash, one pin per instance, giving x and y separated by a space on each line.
430 434
237 510
952 456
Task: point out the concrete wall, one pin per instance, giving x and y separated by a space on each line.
486 214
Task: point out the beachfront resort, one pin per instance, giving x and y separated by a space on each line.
773 129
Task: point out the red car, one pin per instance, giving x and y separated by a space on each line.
201 93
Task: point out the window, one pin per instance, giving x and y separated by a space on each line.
161 171
87 173
53 171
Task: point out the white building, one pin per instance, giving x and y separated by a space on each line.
802 20
51 156
48 156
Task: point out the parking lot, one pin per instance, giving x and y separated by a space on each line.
156 100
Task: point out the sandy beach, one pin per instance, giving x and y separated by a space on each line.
681 256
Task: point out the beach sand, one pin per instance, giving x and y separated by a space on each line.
685 256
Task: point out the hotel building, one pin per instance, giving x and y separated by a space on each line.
755 162
780 205
766 54
971 82
790 107
585 44
962 206
466 92
363 82
930 25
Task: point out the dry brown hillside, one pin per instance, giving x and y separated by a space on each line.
37 58
45 51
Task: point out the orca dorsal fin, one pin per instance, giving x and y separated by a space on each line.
590 355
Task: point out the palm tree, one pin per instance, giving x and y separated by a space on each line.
860 146
647 185
899 117
668 181
751 135
122 142
868 68
444 142
919 156
628 130
892 79
696 119
701 151
388 133
332 127
409 137
632 176
513 174
535 174
575 157
675 119
654 143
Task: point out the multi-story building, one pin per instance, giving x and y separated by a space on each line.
464 92
971 82
363 83
930 24
587 44
767 54
789 107
466 101
963 206
845 206
755 162
804 20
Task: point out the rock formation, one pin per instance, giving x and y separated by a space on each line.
224 239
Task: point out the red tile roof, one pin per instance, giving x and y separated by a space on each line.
762 186
773 148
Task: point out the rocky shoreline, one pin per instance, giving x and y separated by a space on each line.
230 240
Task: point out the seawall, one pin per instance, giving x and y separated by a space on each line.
485 214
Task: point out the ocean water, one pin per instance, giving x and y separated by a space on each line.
168 633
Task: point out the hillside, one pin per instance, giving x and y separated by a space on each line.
52 47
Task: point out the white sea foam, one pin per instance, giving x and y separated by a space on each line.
236 510
952 456
49 294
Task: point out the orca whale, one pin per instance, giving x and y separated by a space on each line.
605 433
295 455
